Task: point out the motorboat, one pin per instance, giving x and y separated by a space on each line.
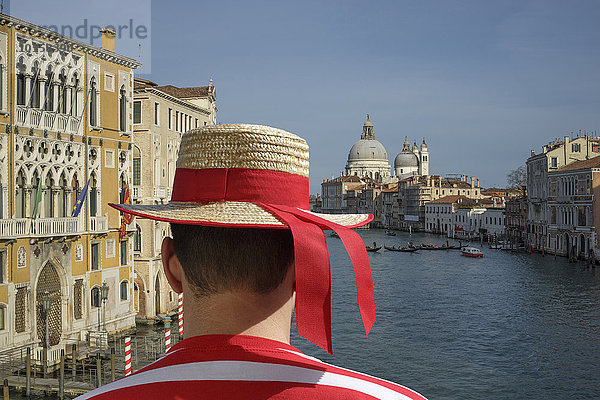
472 252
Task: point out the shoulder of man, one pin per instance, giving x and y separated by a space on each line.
284 373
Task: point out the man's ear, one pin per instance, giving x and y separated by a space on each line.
171 265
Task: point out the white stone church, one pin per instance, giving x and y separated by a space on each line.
368 159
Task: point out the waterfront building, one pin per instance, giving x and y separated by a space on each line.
389 207
161 115
335 197
66 129
573 204
516 219
415 191
493 220
439 213
554 155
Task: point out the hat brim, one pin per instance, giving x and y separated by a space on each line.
228 214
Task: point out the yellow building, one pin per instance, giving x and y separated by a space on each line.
65 119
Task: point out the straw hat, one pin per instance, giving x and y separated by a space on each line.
257 177
236 146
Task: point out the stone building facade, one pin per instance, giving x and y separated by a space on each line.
161 115
416 191
573 209
65 120
554 155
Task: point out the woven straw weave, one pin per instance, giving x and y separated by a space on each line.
244 146
228 213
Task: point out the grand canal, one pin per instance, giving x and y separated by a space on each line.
510 325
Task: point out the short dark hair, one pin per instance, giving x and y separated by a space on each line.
218 259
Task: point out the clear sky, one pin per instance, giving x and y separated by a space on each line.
484 82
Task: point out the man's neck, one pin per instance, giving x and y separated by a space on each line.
241 313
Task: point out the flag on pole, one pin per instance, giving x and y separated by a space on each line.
80 199
38 199
126 218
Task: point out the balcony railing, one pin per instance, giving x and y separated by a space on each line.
99 224
12 228
42 119
56 226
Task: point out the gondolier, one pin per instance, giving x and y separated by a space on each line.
245 253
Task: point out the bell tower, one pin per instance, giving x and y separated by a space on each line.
423 159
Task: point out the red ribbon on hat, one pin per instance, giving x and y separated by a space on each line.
285 196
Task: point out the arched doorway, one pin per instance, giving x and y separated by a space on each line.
49 281
157 296
567 247
581 245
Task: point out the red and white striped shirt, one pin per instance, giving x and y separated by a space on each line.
245 367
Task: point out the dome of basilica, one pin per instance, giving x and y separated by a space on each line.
406 160
367 149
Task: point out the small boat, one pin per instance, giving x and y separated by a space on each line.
430 247
390 233
472 252
404 249
373 249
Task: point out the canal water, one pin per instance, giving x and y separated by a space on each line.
507 326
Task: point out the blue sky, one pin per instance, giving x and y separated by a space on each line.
482 82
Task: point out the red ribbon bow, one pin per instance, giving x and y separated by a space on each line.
285 195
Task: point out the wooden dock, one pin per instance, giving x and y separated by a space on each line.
49 385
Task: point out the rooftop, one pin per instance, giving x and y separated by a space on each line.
450 200
583 164
185 93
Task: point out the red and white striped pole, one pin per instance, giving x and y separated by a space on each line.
167 334
180 305
127 356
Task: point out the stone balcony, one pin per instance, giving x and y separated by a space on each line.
99 224
19 227
59 226
40 119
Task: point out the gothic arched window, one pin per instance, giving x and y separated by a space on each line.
74 94
20 195
93 103
122 110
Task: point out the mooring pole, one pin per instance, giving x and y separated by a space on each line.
98 371
61 377
28 373
112 364
45 362
6 394
74 360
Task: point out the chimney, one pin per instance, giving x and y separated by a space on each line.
108 39
566 150
472 182
532 153
477 182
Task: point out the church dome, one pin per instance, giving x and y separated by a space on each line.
406 160
367 149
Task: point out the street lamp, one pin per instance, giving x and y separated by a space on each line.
46 304
104 297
